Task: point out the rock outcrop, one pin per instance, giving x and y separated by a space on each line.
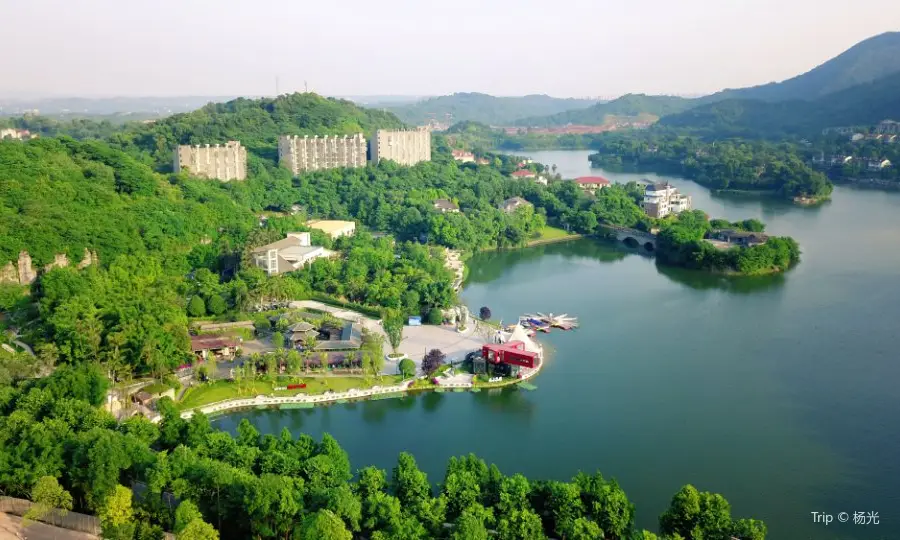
23 273
26 273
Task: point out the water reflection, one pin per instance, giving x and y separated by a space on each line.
489 266
701 281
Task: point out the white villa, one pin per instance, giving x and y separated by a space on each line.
291 253
660 200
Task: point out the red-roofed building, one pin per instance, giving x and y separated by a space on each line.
523 174
462 156
591 184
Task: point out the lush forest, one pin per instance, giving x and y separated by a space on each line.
142 478
483 108
730 164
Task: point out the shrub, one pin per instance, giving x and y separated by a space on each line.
196 307
434 316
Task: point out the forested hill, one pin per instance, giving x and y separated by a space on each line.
62 196
486 109
865 62
627 105
864 104
256 123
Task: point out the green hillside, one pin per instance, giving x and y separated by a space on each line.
627 105
62 196
864 104
484 108
865 62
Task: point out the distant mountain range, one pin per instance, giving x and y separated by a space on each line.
162 106
485 108
859 86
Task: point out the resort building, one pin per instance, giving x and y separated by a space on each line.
405 147
511 205
877 164
592 184
660 200
463 157
224 162
523 174
19 134
333 227
348 338
291 253
740 238
301 154
446 205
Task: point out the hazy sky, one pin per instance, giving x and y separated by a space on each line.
421 47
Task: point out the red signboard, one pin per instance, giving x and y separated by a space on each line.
296 386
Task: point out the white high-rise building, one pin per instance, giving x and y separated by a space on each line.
301 154
406 147
221 161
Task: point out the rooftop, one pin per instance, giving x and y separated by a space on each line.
445 204
592 180
330 225
659 186
351 338
205 343
522 173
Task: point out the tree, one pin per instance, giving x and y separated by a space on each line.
278 340
392 322
408 483
46 495
198 529
432 361
116 515
434 316
184 514
216 305
407 368
484 313
470 526
196 306
324 525
520 524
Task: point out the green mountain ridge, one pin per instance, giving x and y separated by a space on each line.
485 108
864 104
865 62
627 105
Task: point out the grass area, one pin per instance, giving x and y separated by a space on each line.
552 233
223 390
156 388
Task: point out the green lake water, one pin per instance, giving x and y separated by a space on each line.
778 392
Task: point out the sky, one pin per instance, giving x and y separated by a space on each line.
566 48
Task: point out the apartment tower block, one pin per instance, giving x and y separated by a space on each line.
224 162
406 147
300 154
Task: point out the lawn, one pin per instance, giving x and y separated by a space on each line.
551 233
222 390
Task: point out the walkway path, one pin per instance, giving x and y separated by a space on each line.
454 264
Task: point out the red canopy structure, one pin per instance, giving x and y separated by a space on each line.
512 352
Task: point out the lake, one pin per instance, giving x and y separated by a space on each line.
779 392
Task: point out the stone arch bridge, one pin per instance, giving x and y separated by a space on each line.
634 238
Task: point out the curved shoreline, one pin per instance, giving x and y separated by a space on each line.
395 391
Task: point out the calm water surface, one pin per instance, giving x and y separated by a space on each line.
779 392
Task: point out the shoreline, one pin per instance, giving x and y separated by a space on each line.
375 393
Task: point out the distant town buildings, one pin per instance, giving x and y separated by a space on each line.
224 162
301 154
463 156
877 164
446 205
592 184
288 254
18 134
661 200
405 147
332 227
512 204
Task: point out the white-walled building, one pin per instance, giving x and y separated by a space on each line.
660 200
300 154
403 146
291 253
221 161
